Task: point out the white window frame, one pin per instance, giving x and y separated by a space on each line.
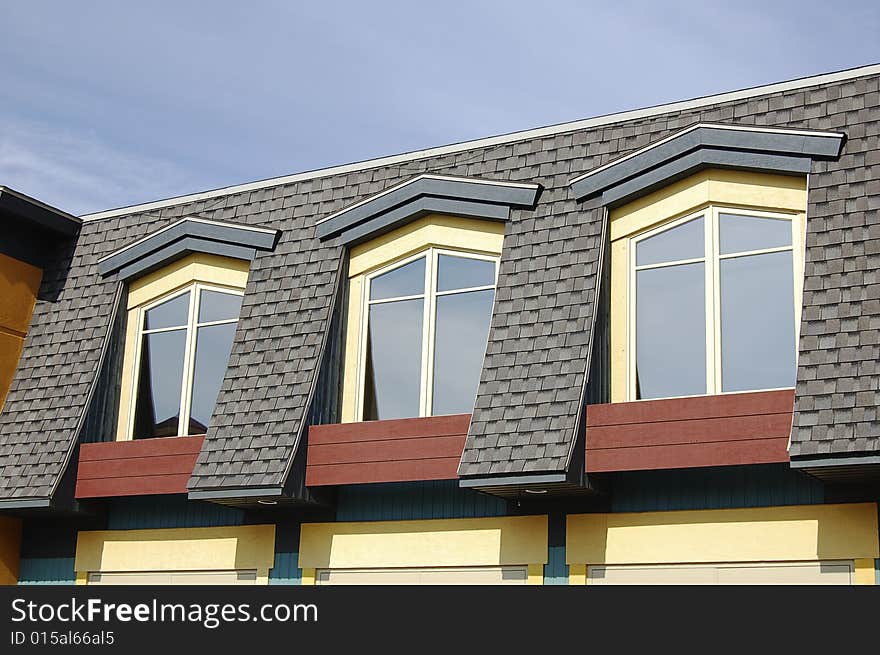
191 327
429 294
712 302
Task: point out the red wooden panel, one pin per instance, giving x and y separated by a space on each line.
132 468
723 453
137 466
695 407
735 428
723 430
368 472
428 426
140 448
386 451
132 486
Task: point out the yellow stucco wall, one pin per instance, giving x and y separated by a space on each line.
499 541
10 549
177 549
19 284
761 534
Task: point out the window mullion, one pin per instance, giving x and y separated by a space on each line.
430 309
362 348
631 321
713 304
188 363
136 373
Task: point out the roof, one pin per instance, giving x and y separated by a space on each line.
531 394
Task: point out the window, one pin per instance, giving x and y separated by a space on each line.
424 333
183 345
713 304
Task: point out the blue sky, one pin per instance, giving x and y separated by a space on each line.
106 103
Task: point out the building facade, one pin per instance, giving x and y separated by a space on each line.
641 348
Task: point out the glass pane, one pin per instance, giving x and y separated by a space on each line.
757 322
213 345
686 241
461 333
408 280
744 233
671 331
171 313
161 375
394 360
218 306
463 273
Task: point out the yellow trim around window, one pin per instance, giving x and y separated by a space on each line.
226 548
716 187
763 534
497 541
466 235
199 267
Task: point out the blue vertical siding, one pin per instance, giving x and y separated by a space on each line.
713 488
46 570
556 570
286 569
150 512
404 501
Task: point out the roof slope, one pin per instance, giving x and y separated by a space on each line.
532 387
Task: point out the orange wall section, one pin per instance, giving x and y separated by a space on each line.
19 284
10 549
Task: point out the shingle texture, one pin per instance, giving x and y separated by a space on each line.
533 379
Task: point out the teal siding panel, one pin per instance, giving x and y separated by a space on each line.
713 488
286 571
46 570
149 512
556 570
404 501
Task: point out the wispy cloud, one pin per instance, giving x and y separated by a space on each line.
80 173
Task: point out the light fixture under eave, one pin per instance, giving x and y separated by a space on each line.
536 491
262 501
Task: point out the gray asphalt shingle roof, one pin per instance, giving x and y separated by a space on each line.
532 383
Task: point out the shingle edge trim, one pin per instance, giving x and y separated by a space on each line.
199 235
740 145
460 196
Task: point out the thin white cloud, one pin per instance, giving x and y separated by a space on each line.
80 173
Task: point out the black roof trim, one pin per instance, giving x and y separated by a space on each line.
186 236
706 145
38 214
425 194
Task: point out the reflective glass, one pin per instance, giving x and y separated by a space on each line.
757 322
671 331
408 280
744 233
157 412
171 313
218 306
461 332
213 345
685 241
392 380
463 273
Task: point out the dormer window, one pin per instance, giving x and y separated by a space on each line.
180 326
425 331
714 304
184 345
420 304
706 286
